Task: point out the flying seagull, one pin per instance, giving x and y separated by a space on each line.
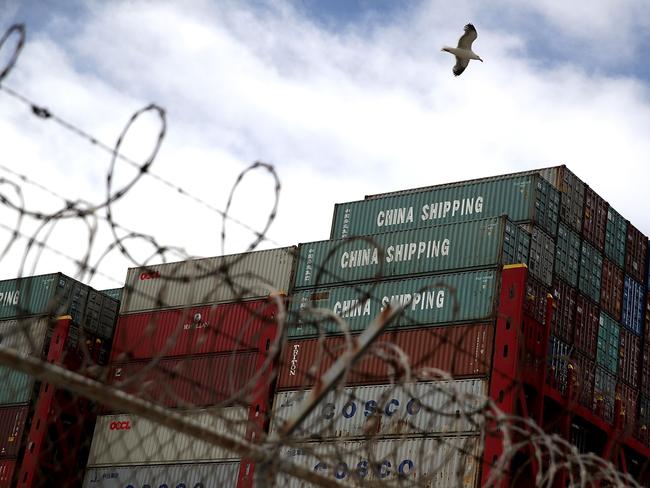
464 51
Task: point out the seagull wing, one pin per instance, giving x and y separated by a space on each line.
466 40
460 65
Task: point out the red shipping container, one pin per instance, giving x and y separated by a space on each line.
584 373
635 253
562 324
193 330
463 350
190 382
12 425
587 316
611 289
7 468
629 358
594 222
535 302
629 400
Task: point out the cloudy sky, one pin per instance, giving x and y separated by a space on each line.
344 98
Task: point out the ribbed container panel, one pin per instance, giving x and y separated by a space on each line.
463 351
567 255
129 439
194 475
186 382
26 336
584 375
439 407
542 255
591 267
629 403
611 289
15 387
629 363
633 303
523 198
114 293
594 220
208 281
558 361
636 253
604 394
562 322
194 330
572 191
645 368
438 462
535 300
607 354
475 244
12 426
616 237
587 319
7 468
431 300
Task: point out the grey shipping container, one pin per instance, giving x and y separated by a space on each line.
474 244
542 254
204 475
572 199
524 198
567 255
436 299
210 280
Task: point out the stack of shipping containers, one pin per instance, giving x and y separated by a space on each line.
29 309
191 338
440 252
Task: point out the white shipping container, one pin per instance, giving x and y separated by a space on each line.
441 462
130 439
448 406
202 281
26 335
204 475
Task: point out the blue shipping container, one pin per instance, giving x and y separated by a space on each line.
632 310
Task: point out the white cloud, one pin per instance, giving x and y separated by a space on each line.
340 115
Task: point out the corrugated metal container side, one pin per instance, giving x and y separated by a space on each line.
114 293
522 198
567 255
195 475
474 244
437 462
629 402
572 191
594 221
15 386
7 468
202 281
587 321
585 373
616 237
197 381
644 411
633 304
193 330
438 407
428 300
562 322
12 426
611 289
35 295
645 367
26 336
607 354
604 394
129 439
646 314
462 350
542 254
535 300
591 267
636 253
629 365
558 361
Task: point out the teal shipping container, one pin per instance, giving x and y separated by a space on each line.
524 198
431 300
615 237
15 387
572 199
114 293
567 255
591 271
476 244
607 355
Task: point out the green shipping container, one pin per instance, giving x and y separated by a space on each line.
616 237
607 354
15 387
114 293
523 198
572 199
591 270
567 255
430 300
476 244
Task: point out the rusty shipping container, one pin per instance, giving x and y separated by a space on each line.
436 299
572 194
524 198
129 439
636 252
629 364
207 281
584 376
462 350
611 290
604 394
594 220
629 403
562 322
535 300
12 426
434 407
194 330
188 382
7 468
587 319
475 244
